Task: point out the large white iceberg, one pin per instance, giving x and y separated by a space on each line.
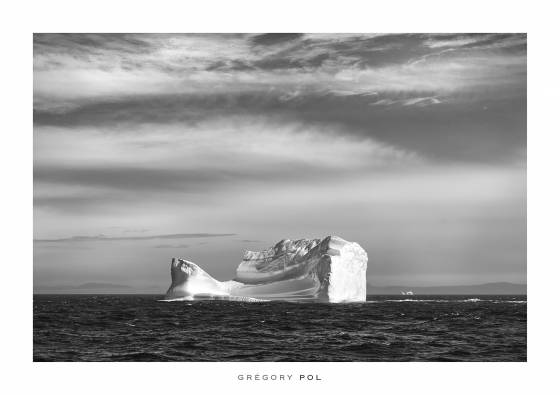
328 270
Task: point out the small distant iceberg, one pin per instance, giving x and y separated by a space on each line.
407 293
328 270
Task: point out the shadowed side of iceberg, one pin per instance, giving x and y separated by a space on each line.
328 270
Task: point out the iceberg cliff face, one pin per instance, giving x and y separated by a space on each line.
328 270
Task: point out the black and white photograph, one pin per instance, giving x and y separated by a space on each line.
280 197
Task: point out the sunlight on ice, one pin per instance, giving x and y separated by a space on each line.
327 270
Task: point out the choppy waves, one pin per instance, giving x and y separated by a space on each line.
385 328
470 300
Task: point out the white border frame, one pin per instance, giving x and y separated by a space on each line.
24 17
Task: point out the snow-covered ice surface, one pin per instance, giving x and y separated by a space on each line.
327 270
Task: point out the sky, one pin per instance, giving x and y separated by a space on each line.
153 146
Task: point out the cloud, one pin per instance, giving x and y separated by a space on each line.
411 144
72 68
346 103
172 246
231 152
416 101
130 178
454 42
275 38
134 230
56 247
153 237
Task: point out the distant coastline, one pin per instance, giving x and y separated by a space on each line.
497 288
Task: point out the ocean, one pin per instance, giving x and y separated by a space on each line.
385 328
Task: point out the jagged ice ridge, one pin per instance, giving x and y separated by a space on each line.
327 270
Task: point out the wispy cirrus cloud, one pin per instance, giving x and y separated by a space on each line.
69 68
348 79
191 161
400 142
166 246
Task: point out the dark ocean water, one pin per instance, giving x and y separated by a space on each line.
386 328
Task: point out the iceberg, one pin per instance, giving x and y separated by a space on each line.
325 270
